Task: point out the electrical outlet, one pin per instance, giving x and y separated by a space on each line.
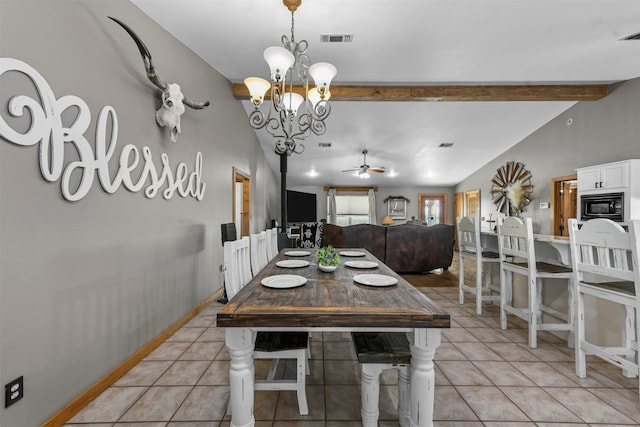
13 391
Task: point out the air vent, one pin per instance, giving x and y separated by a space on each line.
324 145
446 145
336 38
635 36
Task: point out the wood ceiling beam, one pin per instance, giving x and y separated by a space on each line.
456 93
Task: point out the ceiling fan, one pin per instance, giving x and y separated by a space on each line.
363 170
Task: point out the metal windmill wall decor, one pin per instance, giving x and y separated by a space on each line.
511 188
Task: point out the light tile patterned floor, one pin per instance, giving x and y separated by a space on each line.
484 377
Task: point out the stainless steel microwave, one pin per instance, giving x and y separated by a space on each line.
609 205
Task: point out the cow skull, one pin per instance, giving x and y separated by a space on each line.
173 101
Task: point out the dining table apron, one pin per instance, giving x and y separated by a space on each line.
332 301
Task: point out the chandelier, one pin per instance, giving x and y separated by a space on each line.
291 117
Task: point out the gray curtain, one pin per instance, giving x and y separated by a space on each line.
331 195
372 207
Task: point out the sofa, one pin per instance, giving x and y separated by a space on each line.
406 248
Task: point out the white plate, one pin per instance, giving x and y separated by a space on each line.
361 264
297 253
352 253
283 281
292 263
375 280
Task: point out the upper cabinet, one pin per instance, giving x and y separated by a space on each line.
610 176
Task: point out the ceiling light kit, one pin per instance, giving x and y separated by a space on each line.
363 170
295 116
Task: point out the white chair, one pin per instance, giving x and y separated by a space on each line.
470 249
237 268
268 345
517 256
376 352
258 252
606 267
272 243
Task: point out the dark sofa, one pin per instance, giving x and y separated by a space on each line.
405 248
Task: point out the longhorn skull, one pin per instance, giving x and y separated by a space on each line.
173 101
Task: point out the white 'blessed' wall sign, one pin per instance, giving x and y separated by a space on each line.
50 133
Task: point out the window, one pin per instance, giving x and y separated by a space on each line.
352 210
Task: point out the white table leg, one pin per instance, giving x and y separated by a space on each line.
240 342
424 343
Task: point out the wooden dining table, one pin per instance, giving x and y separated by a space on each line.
331 301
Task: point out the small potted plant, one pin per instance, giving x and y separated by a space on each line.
328 258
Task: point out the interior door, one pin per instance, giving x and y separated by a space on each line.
458 211
472 203
433 208
241 202
564 202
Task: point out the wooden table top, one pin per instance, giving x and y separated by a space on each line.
331 300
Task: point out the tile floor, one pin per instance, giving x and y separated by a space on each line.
484 376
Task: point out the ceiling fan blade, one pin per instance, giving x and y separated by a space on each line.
377 169
351 170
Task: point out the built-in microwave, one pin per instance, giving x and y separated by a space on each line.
609 205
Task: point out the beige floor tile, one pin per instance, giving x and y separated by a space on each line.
344 372
216 374
144 373
183 373
503 374
202 350
499 409
448 351
539 405
593 379
204 403
549 353
288 405
157 404
512 351
544 375
588 406
201 321
450 405
625 400
463 373
109 406
187 334
458 335
477 351
342 402
488 335
168 351
212 334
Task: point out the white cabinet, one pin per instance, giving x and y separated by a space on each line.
616 177
604 177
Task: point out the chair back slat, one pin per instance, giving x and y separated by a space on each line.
602 247
516 239
258 252
469 235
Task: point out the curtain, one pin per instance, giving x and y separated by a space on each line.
372 207
331 195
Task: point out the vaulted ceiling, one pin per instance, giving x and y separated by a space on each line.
481 75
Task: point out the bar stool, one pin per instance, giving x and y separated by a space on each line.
376 352
470 248
606 263
515 239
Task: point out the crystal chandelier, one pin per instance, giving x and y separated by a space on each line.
291 117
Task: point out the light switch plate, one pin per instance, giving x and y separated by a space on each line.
544 205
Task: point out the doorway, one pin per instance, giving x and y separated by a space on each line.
472 203
564 201
241 202
433 208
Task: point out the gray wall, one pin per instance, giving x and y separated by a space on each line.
85 284
602 131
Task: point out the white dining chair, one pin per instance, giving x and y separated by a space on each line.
470 249
517 256
272 345
606 265
258 251
272 243
378 351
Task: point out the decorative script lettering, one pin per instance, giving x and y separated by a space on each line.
48 131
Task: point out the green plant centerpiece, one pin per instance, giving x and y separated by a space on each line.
328 258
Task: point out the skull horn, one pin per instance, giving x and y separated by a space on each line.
146 56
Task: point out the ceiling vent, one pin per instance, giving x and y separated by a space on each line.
324 145
336 38
635 36
446 145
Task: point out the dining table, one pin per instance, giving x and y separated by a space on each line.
362 294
